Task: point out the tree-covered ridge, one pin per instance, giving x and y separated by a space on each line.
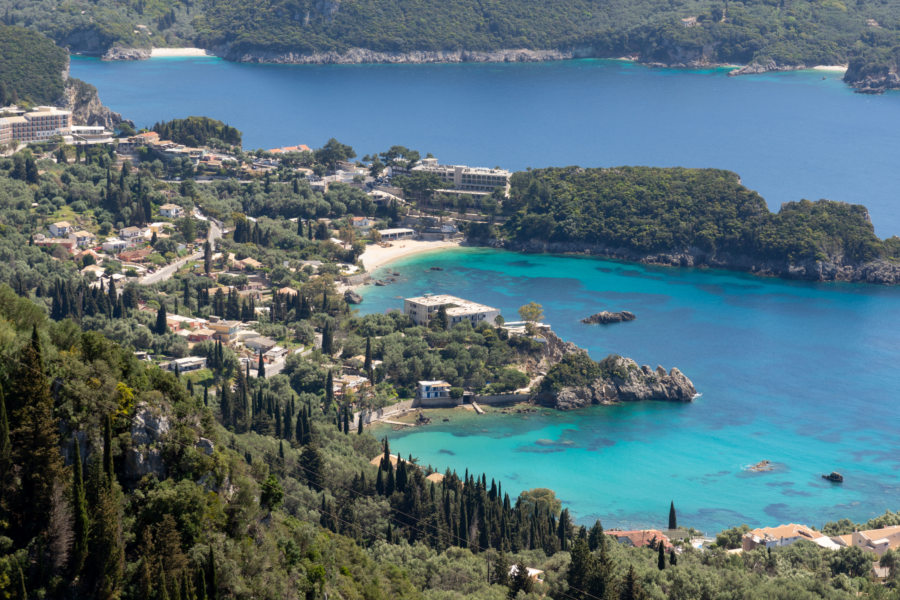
198 131
32 67
646 210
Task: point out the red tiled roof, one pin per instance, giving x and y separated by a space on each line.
643 537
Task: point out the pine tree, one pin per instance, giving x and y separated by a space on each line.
631 588
519 581
106 553
81 526
673 521
311 467
161 326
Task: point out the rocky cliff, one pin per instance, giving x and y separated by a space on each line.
362 55
84 102
625 382
123 53
834 269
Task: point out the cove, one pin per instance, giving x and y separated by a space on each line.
790 135
804 375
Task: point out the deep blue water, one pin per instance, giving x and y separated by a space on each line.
801 374
804 375
789 135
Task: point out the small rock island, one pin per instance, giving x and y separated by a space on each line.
606 317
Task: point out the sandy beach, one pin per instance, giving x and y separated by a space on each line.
834 68
177 52
377 256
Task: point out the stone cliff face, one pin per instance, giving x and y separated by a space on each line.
835 269
630 383
122 53
84 102
362 55
874 84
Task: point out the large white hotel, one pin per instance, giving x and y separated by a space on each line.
467 180
424 308
43 123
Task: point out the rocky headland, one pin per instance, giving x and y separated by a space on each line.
605 317
622 380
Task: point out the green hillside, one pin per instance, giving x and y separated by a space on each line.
31 67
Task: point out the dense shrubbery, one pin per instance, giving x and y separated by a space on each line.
646 210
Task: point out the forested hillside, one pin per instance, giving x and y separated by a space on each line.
119 479
31 67
788 33
702 215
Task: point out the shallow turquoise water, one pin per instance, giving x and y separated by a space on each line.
789 135
804 375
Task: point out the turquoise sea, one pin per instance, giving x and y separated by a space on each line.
789 135
804 375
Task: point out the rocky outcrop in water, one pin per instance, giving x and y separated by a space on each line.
605 317
627 383
84 102
875 84
122 53
351 297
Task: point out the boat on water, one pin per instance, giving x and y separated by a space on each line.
834 476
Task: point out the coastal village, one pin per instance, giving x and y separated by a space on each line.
175 240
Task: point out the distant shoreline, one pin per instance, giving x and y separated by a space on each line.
178 52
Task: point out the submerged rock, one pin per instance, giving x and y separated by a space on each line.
605 317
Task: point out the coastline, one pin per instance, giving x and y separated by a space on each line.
377 256
178 52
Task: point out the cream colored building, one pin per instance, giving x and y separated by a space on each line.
461 179
423 308
43 123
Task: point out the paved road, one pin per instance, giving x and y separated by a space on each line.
215 232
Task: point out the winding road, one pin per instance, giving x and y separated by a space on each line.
214 233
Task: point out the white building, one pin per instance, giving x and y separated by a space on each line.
114 245
775 537
86 135
61 229
187 364
422 309
398 233
83 238
461 179
427 390
133 235
171 211
43 123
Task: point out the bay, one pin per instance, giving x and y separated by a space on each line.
804 375
789 135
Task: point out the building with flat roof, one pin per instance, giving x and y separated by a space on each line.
397 233
40 124
426 390
172 211
461 179
422 309
187 364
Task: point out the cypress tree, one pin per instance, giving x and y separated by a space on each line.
107 450
359 423
329 392
200 584
23 593
661 559
327 340
261 369
346 420
673 521
161 327
368 364
5 446
673 560
212 589
205 395
81 526
631 589
311 467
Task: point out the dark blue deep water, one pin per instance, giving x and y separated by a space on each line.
789 135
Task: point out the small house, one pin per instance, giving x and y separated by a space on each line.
60 229
171 211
